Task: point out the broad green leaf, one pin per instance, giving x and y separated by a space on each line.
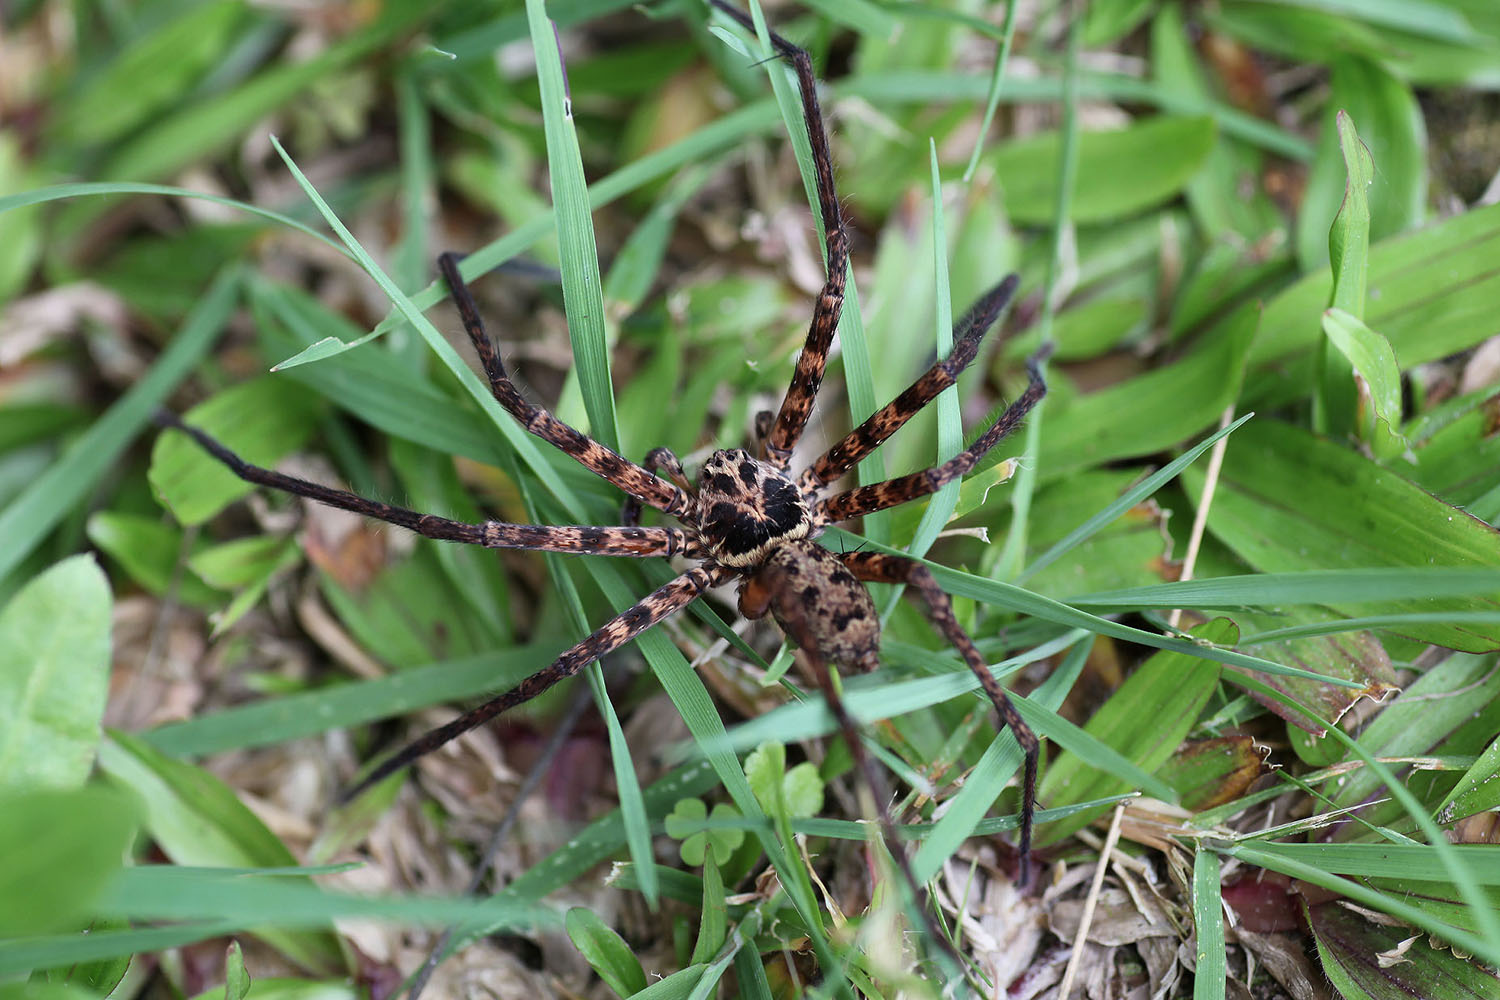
1334 402
606 951
246 565
1349 234
1379 378
791 794
1209 773
1120 173
61 848
152 73
678 986
260 420
1456 453
100 975
1431 293
54 677
150 550
1351 655
1289 501
698 844
239 563
1156 410
1375 961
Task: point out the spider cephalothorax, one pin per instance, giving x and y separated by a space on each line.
748 508
749 518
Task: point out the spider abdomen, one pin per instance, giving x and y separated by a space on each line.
817 602
747 508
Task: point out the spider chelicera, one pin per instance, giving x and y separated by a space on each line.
749 518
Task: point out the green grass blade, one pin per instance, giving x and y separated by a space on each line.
1145 488
583 294
950 424
289 717
1315 586
25 522
1208 919
992 100
525 447
1257 855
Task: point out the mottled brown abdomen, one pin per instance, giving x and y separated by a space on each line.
818 602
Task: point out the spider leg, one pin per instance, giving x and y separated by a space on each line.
877 567
622 541
880 794
656 459
613 634
630 478
871 434
797 406
892 492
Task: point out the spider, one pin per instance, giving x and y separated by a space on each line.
748 518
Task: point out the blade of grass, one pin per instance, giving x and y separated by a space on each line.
1317 586
1129 499
25 522
62 192
583 302
992 101
1010 597
950 424
1208 919
1013 552
583 294
1257 855
1453 863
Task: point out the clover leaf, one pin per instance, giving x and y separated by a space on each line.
684 822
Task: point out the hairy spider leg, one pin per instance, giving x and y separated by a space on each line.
797 405
893 492
657 459
621 541
623 627
877 567
871 434
630 478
